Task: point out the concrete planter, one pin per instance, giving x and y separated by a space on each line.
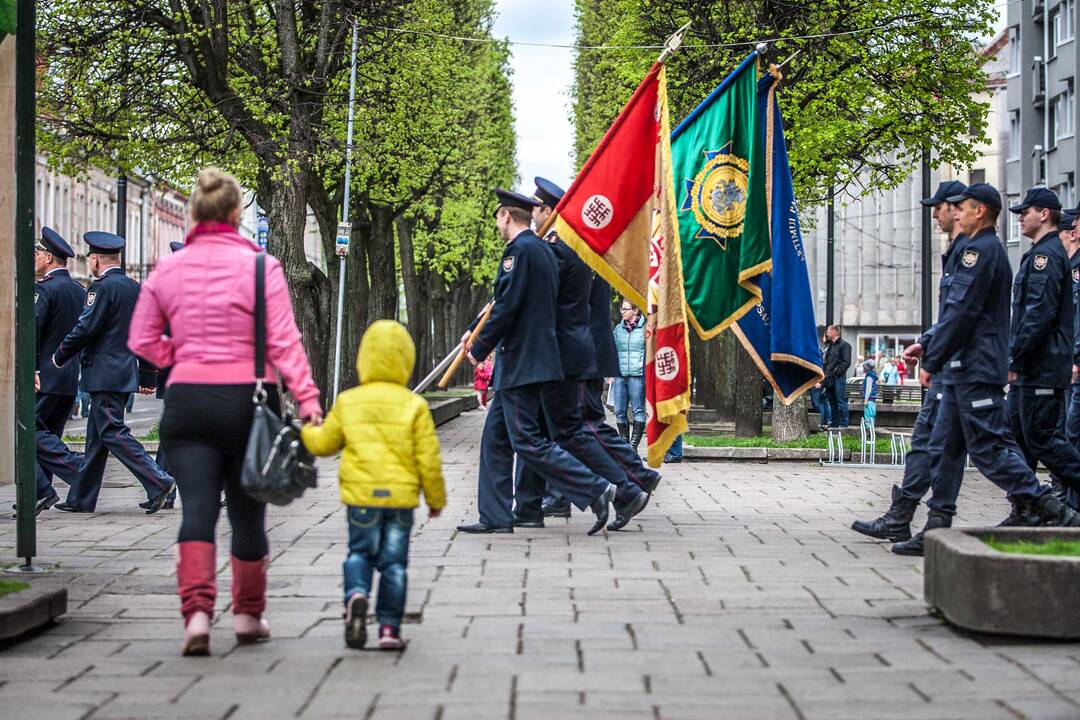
978 588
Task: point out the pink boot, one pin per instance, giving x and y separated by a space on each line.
249 600
197 586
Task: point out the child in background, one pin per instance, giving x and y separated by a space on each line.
482 381
870 392
391 454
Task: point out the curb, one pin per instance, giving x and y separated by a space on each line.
756 454
30 609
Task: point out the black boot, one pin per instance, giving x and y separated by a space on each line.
624 430
602 507
639 430
895 524
1020 515
1057 488
936 519
1051 511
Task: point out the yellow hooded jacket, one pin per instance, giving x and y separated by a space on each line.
391 449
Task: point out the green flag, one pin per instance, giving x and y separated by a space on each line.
718 158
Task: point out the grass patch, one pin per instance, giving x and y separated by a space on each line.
151 435
1068 548
11 586
814 442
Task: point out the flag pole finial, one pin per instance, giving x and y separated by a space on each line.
673 42
761 47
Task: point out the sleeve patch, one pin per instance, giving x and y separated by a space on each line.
970 258
508 263
1040 261
91 296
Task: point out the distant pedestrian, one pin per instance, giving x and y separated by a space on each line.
869 393
628 388
391 456
837 362
889 375
901 370
482 381
205 295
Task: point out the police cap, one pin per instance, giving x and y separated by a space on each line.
945 190
516 200
1040 197
175 245
53 243
982 192
1068 219
103 242
547 192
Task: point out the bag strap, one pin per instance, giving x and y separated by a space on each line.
260 318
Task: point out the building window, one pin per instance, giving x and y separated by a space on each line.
1064 22
1014 50
1014 222
1063 112
1014 135
977 176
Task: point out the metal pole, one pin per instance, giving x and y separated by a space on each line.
345 214
25 423
830 262
927 248
121 217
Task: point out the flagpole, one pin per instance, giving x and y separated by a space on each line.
673 42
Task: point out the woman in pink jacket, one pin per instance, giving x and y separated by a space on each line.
196 314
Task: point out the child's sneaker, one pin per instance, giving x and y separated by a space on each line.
356 622
390 638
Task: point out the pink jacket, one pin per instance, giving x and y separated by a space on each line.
205 295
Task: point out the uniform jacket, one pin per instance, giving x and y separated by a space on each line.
572 320
205 296
101 335
952 252
631 348
971 336
391 451
58 303
605 357
1041 338
837 359
1074 268
522 321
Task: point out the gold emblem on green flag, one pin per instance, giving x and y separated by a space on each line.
717 196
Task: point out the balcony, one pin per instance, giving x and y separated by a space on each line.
1038 82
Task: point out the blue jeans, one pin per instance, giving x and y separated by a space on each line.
675 451
836 392
379 540
820 404
628 390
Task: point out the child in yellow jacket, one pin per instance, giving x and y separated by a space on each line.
391 453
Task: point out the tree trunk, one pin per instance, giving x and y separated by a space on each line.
442 344
381 265
416 300
723 354
285 201
747 394
789 421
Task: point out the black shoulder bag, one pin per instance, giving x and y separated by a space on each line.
277 466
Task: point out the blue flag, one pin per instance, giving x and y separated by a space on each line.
780 332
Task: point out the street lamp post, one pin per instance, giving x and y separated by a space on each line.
345 227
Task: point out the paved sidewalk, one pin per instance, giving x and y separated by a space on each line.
740 593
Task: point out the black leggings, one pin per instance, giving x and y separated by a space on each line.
204 432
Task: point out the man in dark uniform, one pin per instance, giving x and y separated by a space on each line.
564 420
162 379
1070 236
895 524
58 302
1042 341
971 339
110 374
521 329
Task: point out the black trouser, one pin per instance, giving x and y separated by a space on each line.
1037 417
53 412
204 433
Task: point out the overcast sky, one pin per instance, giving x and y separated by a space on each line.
542 79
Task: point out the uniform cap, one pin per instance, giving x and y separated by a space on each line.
103 242
547 192
945 190
1040 197
1068 218
56 244
513 199
176 245
982 192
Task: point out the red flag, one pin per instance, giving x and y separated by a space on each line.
619 216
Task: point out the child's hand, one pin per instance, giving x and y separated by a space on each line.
434 512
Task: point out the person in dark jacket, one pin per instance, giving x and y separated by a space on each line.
1041 341
837 362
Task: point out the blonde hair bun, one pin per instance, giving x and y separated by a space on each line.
216 196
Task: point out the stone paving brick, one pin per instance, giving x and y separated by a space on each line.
739 593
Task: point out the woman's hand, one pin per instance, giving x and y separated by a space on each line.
315 418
